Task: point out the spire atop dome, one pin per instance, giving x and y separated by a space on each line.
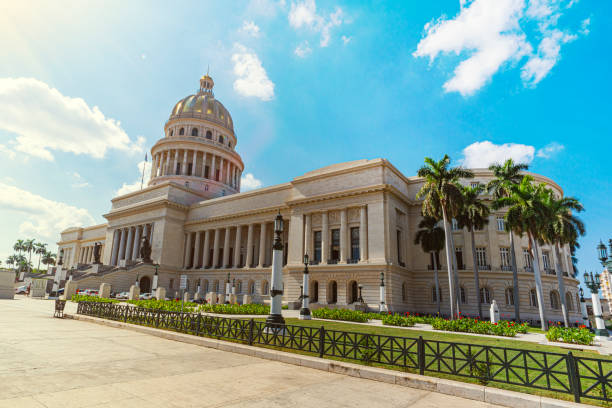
206 84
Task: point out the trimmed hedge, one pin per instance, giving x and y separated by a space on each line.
579 335
341 314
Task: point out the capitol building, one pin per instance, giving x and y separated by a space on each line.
354 220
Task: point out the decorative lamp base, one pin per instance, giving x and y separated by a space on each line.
601 332
305 314
275 324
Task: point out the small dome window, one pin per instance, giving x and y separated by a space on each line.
229 145
182 132
221 139
194 132
172 132
209 134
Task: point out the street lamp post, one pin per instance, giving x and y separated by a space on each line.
275 319
227 289
305 311
593 283
155 279
383 305
583 310
360 295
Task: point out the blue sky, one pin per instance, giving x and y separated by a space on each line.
85 89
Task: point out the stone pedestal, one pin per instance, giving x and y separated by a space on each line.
247 299
105 290
134 292
221 298
160 293
186 297
38 287
211 298
494 312
94 268
197 296
70 289
7 288
233 299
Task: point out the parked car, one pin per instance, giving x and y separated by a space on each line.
146 296
21 290
122 295
88 292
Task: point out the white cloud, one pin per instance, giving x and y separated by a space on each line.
79 181
135 186
45 120
490 35
303 14
346 39
265 8
249 182
584 26
43 217
303 50
250 28
550 150
483 154
251 77
6 151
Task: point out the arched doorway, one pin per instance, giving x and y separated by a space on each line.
145 284
353 292
314 293
332 292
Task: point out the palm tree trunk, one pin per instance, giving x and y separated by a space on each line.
559 273
476 278
39 256
435 265
538 283
449 265
455 275
515 291
30 261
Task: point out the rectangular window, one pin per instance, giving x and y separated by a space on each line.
504 254
481 256
474 184
178 168
501 224
355 244
317 246
190 169
459 256
527 258
545 260
335 245
206 171
399 246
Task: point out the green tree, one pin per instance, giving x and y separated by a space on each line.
474 214
442 199
562 228
527 215
40 249
29 248
431 238
11 260
508 176
48 259
19 246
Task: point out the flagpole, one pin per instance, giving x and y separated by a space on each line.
143 171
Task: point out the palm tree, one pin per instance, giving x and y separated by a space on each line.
40 249
431 239
29 247
48 259
562 228
474 214
19 246
11 260
508 176
527 215
442 197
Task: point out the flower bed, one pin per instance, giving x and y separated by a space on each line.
398 320
467 325
249 309
87 298
341 314
580 335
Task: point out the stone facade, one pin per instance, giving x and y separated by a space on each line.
355 220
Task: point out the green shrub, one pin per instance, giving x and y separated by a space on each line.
575 335
85 298
341 314
249 309
167 305
398 320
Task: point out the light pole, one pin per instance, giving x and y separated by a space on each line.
227 289
360 296
275 319
583 309
593 283
155 279
383 305
305 311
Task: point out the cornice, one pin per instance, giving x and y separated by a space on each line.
150 205
198 144
272 210
242 195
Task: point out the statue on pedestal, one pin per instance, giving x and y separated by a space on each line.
97 252
145 251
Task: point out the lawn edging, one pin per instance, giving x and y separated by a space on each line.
476 392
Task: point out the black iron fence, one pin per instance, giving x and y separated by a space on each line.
556 372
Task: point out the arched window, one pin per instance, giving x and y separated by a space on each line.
172 132
239 287
510 296
533 298
353 292
404 292
264 288
251 287
433 295
568 301
216 286
205 286
182 132
485 295
229 144
462 295
194 132
314 296
171 285
208 134
332 292
221 140
555 302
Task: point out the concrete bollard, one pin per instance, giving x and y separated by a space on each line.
233 299
211 298
186 297
134 292
160 293
221 298
70 289
105 290
197 296
247 299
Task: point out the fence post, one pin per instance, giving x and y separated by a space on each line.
321 341
421 355
573 376
125 309
251 325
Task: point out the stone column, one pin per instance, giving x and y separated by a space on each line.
145 233
136 243
237 246
363 234
324 237
308 235
221 172
195 163
115 250
167 169
196 254
184 169
216 247
226 247
187 257
204 165
343 236
206 258
213 172
262 245
176 160
130 243
249 256
153 166
122 244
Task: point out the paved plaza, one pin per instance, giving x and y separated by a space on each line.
46 362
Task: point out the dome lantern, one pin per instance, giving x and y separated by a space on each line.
206 84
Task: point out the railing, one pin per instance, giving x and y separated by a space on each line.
528 269
550 271
484 267
332 261
563 373
507 268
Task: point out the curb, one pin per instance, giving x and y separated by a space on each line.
475 392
